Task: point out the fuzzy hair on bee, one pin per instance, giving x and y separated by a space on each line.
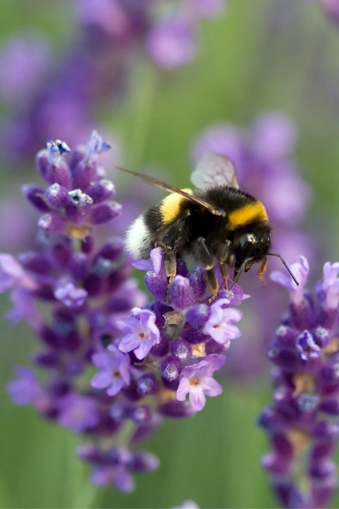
217 223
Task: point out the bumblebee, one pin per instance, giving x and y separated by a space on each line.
217 223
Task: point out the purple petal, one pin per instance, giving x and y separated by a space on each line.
183 389
157 257
142 265
300 270
197 398
143 349
12 274
116 386
102 360
101 380
128 343
210 386
214 362
26 388
128 324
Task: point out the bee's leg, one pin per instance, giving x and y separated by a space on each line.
206 259
170 264
223 268
213 285
171 239
262 270
170 244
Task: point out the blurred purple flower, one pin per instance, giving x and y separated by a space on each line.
26 388
274 136
13 274
24 308
25 61
114 372
118 476
332 9
171 43
302 421
207 8
77 412
300 270
111 36
69 295
330 285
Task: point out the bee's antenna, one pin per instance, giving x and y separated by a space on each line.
286 266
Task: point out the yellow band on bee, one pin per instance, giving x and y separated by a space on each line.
170 206
250 213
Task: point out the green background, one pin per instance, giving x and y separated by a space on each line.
261 55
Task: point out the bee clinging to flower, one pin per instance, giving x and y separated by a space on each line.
216 223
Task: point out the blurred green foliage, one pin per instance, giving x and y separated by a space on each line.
261 55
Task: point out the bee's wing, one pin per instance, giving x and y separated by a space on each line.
167 187
213 170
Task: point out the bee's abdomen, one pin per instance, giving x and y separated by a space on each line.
137 238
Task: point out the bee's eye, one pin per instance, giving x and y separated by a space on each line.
246 248
247 239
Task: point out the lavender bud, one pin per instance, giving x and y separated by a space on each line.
120 412
170 368
80 199
147 384
101 191
52 223
181 349
105 212
36 196
90 452
144 462
330 406
35 262
141 414
197 315
181 293
322 469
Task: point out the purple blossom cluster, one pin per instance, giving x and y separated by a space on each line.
331 8
263 157
302 423
111 36
114 365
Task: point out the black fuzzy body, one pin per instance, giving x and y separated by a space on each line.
193 222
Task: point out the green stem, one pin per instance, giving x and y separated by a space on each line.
145 82
88 496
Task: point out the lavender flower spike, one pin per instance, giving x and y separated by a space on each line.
302 422
114 365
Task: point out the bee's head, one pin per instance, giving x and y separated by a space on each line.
251 247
